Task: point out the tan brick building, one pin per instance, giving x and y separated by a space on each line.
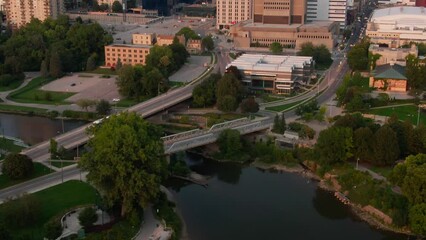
249 34
168 39
230 12
20 12
279 11
128 54
389 78
144 38
194 46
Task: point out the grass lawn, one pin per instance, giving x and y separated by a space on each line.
105 71
408 112
59 165
13 85
32 94
123 229
13 108
8 145
39 170
176 84
270 98
55 201
283 107
365 84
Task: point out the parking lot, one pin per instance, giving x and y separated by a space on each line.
86 86
169 26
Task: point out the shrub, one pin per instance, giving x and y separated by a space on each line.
23 211
52 229
17 166
88 217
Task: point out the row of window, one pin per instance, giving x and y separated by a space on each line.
273 40
124 55
275 8
128 50
315 37
126 60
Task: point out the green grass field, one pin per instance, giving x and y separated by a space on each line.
408 112
39 170
126 103
31 93
55 201
283 107
12 86
9 146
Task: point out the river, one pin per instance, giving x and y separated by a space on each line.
240 202
33 129
243 202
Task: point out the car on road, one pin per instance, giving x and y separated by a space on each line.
115 100
72 84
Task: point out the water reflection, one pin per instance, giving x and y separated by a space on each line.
33 130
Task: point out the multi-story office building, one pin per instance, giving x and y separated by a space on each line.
128 54
272 73
397 26
279 11
143 38
230 12
333 10
20 12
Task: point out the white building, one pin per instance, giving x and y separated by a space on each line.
230 12
397 26
274 73
333 10
402 2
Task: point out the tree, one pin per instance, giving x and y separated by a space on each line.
363 141
117 7
358 57
230 145
55 67
249 105
276 48
44 70
53 149
227 103
334 145
103 107
161 57
17 166
204 94
118 65
417 218
320 54
188 33
95 5
87 217
126 162
385 146
279 124
23 211
91 62
85 104
4 233
52 229
208 43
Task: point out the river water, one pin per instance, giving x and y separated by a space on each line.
240 202
243 202
33 130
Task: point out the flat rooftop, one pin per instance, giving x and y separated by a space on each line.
421 11
314 24
276 63
130 45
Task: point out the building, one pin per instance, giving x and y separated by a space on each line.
194 46
392 55
398 2
109 2
279 11
168 39
144 38
230 12
248 34
20 12
333 10
397 26
274 73
128 54
389 77
420 3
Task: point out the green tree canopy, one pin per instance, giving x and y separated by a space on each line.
276 48
103 107
385 146
208 43
417 218
320 54
117 7
188 33
358 56
363 144
204 94
230 143
87 217
228 93
126 162
249 105
334 145
17 166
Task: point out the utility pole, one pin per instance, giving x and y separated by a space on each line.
418 115
124 10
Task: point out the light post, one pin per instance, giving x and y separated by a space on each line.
357 160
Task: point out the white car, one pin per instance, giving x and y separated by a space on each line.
115 100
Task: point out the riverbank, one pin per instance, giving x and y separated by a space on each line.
324 183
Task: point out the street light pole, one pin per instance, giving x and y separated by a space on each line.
357 160
418 115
